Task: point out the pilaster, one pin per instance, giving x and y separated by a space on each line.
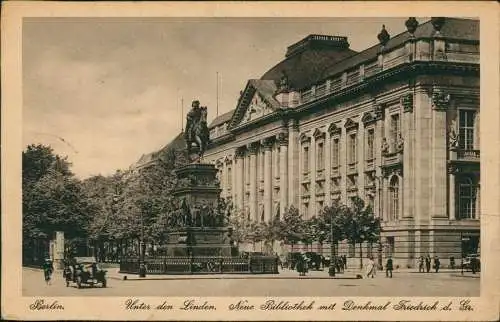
422 159
240 174
440 103
406 102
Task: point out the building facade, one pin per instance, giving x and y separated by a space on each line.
396 124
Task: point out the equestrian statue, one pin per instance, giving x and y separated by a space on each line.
197 129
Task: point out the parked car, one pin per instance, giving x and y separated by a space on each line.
469 260
84 270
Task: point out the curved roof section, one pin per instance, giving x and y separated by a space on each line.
317 57
307 58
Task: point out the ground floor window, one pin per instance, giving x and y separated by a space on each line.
467 198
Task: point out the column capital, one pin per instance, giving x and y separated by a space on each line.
240 151
440 100
267 143
282 138
406 101
253 147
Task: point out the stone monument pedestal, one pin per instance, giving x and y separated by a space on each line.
197 241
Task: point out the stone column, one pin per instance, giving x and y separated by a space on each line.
328 167
313 150
268 179
440 102
361 159
293 163
240 175
233 179
252 202
283 143
343 164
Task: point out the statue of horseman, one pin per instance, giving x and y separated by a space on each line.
197 129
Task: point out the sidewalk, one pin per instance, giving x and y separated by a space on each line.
283 274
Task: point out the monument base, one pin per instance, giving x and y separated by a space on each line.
199 241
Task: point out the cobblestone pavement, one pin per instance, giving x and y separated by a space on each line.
404 283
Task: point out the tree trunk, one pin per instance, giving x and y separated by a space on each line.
361 255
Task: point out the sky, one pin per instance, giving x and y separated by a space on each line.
104 91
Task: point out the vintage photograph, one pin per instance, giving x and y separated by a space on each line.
251 156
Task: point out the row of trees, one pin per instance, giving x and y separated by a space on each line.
117 207
99 208
356 224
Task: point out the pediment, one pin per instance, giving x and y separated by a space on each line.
318 134
368 117
350 124
334 129
255 102
304 138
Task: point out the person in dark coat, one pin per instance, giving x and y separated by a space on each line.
428 263
437 263
302 265
388 268
48 269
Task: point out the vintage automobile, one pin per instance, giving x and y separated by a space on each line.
472 260
84 270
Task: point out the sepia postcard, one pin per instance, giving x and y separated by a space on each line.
250 161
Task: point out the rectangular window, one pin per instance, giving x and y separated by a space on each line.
466 130
370 137
320 164
352 155
229 177
335 153
395 130
305 157
247 165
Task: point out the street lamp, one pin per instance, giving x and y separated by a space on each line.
142 249
333 260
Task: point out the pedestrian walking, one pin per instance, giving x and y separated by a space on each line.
370 268
388 268
428 263
48 269
344 261
421 264
437 263
302 265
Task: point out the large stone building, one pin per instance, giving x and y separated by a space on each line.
396 124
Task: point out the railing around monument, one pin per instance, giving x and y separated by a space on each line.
202 265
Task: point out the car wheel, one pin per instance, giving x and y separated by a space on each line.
79 281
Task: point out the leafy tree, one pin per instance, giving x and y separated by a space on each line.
361 225
292 226
53 199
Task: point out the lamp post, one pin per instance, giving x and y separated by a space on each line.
333 259
142 248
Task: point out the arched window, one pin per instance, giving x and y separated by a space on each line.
467 192
394 198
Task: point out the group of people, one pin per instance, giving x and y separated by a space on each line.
427 262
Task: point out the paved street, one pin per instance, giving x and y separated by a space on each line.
316 284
